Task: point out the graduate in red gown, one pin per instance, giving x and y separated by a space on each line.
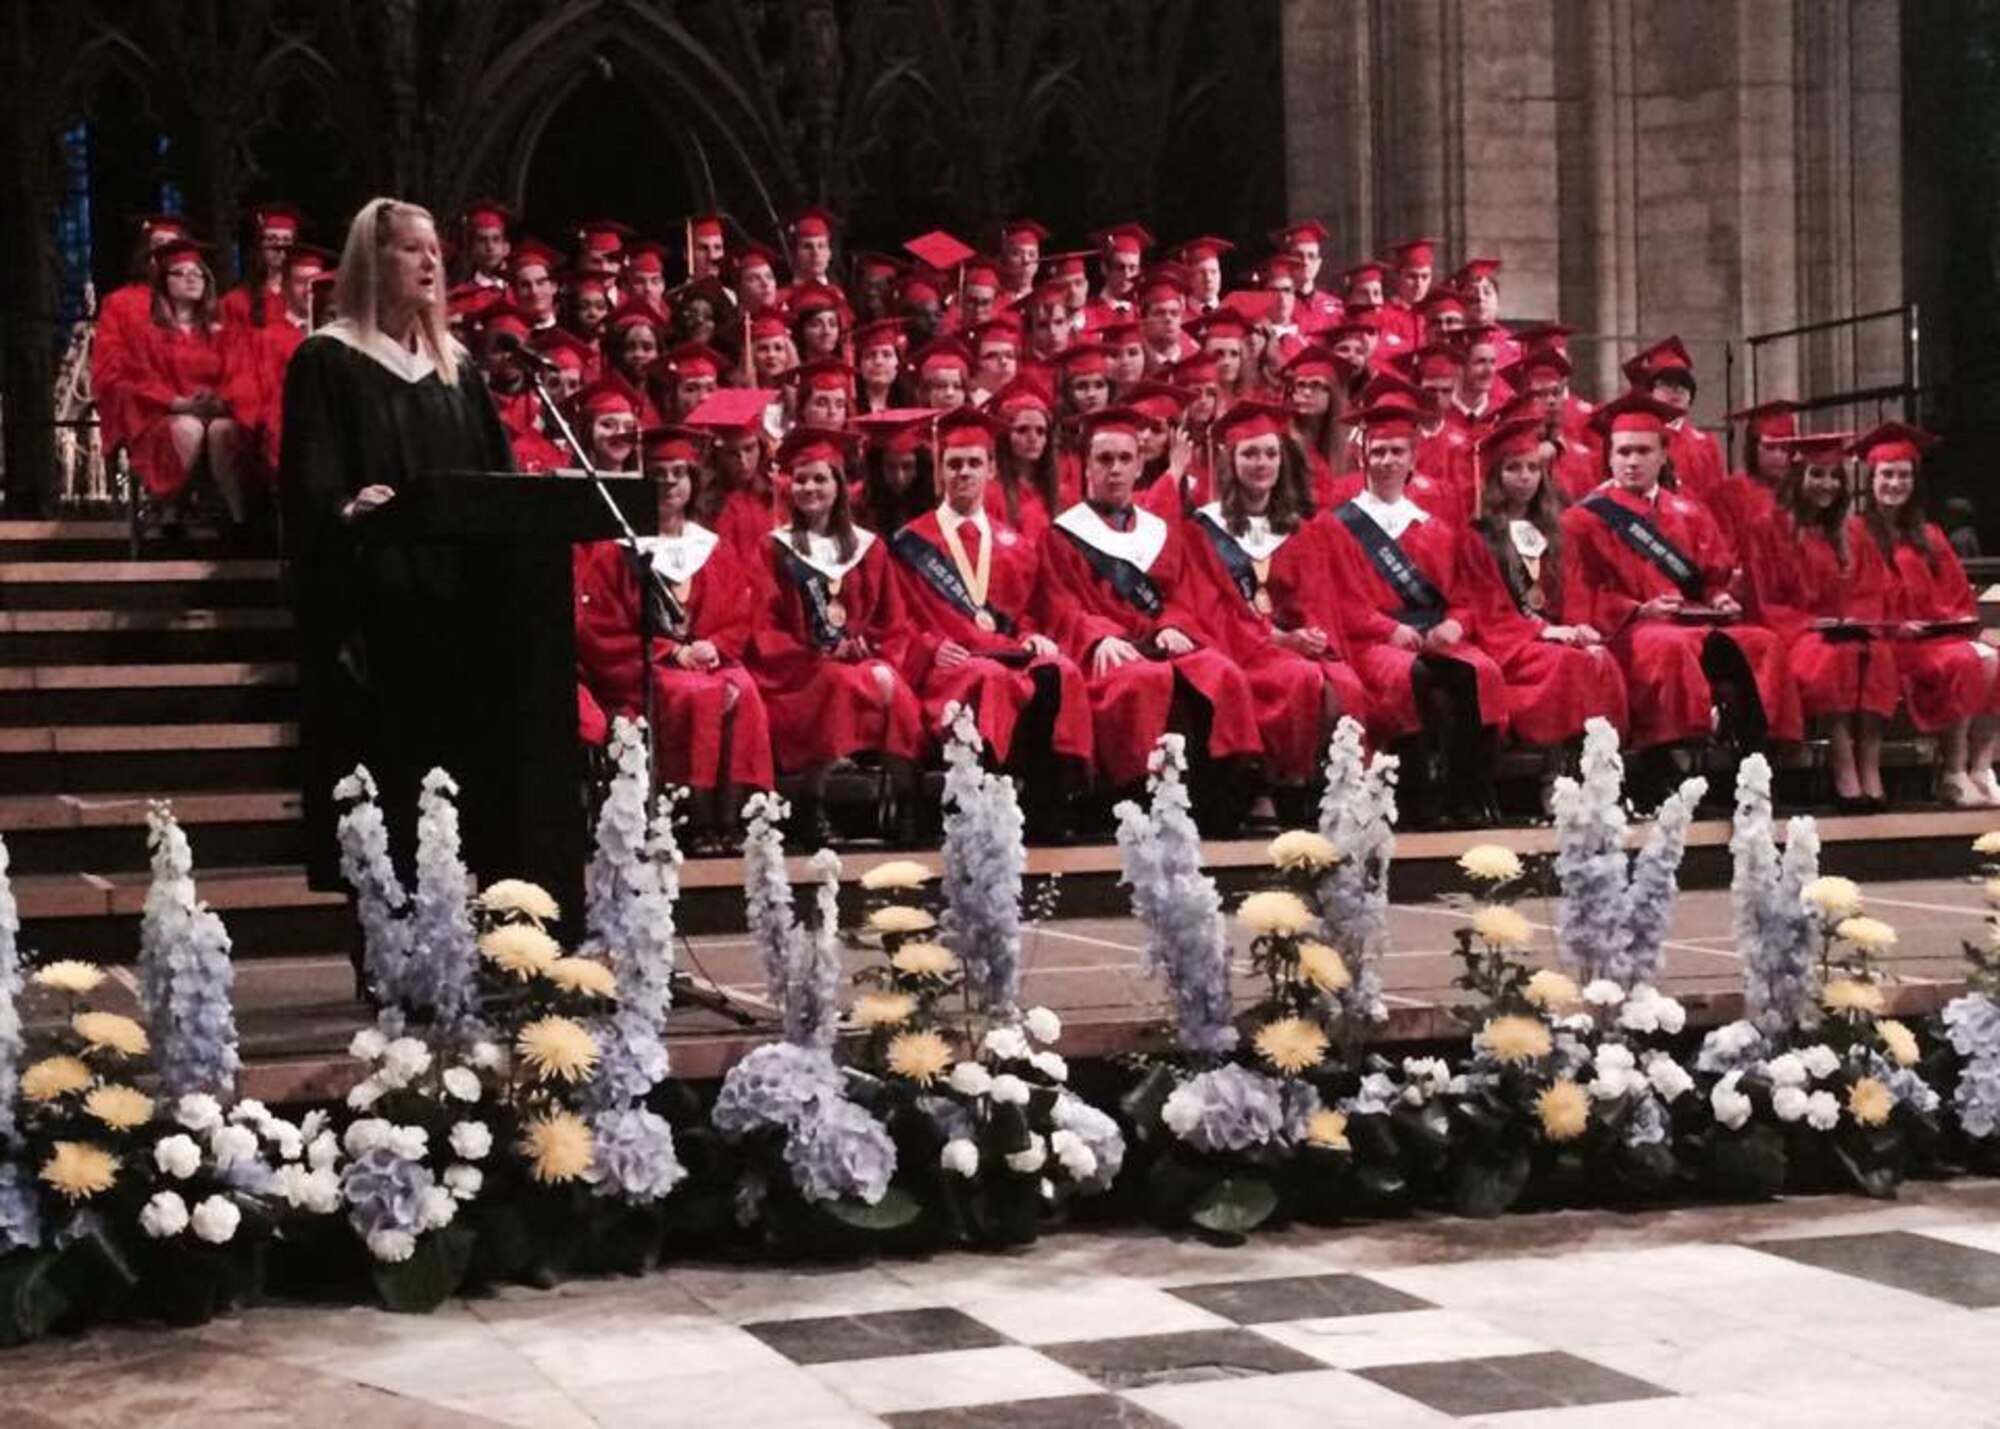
535 448
1747 500
259 300
175 384
1396 582
898 481
1947 668
1817 579
967 581
828 646
1575 465
710 730
122 317
739 498
1314 387
605 417
1304 244
1024 492
1650 569
1665 372
1115 593
1559 674
255 357
1256 560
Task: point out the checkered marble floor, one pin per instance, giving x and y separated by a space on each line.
1821 1312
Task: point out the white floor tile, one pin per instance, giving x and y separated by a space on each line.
950 1379
1089 1310
1408 1337
1316 1399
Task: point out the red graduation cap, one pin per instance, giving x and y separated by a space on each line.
646 256
1519 373
1196 371
1816 448
1224 322
899 431
1122 333
486 213
1633 411
1158 402
1067 265
1892 441
606 395
1473 270
1196 249
1015 228
1161 282
873 265
828 374
1666 360
767 325
1084 359
1366 271
310 256
755 255
562 347
939 249
1769 420
1119 421
695 359
583 281
532 252
920 286
1392 386
1415 252
1512 437
832 445
883 332
940 353
1252 305
731 409
666 443
1537 336
1250 418
1023 392
815 297
604 235
467 300
1305 230
501 316
813 222
633 313
1005 328
1435 359
1312 361
276 218
968 427
177 248
153 225
1282 265
1392 417
705 225
979 272
1123 238
1439 301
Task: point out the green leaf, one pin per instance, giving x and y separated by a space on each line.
1748 1163
30 1299
430 1276
1489 1186
1234 1206
896 1209
1142 1104
1878 1180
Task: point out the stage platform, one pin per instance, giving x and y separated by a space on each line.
297 1012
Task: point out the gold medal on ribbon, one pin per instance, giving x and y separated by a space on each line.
1262 599
985 621
978 576
836 613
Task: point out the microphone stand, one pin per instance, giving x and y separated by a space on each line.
652 585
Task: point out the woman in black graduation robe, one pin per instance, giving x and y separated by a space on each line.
410 654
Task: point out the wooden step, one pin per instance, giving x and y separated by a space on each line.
195 674
134 738
87 759
98 573
211 692
63 540
198 634
269 911
59 833
136 585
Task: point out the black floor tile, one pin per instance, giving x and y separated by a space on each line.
1502 1383
1957 1274
1191 1357
825 1339
1300 1297
1073 1411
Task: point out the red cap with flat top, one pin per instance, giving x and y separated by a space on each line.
1249 419
487 213
883 332
876 265
1196 249
1666 358
706 225
646 257
665 444
941 353
968 427
813 222
276 218
827 444
1392 387
1473 270
562 347
1005 329
1123 238
1068 265
604 235
1415 252
1892 441
533 253
1514 437
1114 335
899 431
694 359
1196 371
1161 282
1015 228
605 396
1633 411
1440 301
1538 336
1085 359
1110 421
633 313
1158 402
1390 418
1022 393
940 250
732 410
1315 362
1816 448
1768 421
1225 322
1435 359
1306 230
502 317
1546 362
755 255
829 374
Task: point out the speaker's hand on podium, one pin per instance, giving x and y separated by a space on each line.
369 498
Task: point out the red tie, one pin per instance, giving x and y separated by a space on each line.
968 537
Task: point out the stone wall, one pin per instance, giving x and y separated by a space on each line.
1712 168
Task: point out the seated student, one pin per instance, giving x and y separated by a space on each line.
1665 372
684 377
1024 492
1559 675
897 484
1649 570
632 343
710 730
966 581
1395 580
825 393
605 417
1114 594
1542 377
1173 478
1947 668
737 497
1820 583
1315 387
1255 558
878 356
255 355
1446 499
1746 501
827 646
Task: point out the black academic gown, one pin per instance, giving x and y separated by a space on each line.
415 655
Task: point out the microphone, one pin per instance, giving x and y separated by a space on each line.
509 343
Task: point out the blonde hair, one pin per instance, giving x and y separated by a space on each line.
357 292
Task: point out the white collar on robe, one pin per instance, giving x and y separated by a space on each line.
1259 541
679 557
380 347
950 520
824 556
1140 546
1394 517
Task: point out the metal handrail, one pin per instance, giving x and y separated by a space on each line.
1757 339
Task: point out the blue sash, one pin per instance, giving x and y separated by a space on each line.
813 591
1423 603
1235 559
1645 538
942 576
1133 585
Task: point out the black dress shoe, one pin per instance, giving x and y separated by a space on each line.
1853 804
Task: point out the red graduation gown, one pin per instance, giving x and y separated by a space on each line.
1796 578
691 708
166 364
1945 677
1552 689
1605 581
1033 513
254 360
122 319
823 708
997 693
1286 686
1697 459
1078 608
234 308
1371 609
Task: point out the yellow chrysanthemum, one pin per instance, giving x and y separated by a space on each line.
584 975
1516 1039
902 874
900 918
1328 1128
120 1108
1832 897
54 1077
1302 848
1490 862
79 1170
1291 1044
1846 994
1564 1109
1501 927
1871 935
1992 890
1549 988
1275 912
557 1049
883 1009
924 960
71 976
520 950
558 1145
923 1057
1869 1102
517 895
1987 843
108 1032
1323 967
1900 1040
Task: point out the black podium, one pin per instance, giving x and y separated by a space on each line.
508 674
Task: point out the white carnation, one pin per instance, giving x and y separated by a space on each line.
438 1208
1603 992
1006 1043
323 1151
471 1140
365 1135
1042 1024
1731 1107
198 1111
1614 1057
487 1056
960 1157
1820 1059
971 1080
1669 1078
231 1144
1075 1154
1182 1111
1788 1070
177 1156
1789 1103
251 1111
285 1137
1030 1160
404 1060
319 1192
1050 1065
367 1045
412 1143
365 1093
164 1216
216 1219
462 1082
1822 1111
464 1181
392 1246
1010 1089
